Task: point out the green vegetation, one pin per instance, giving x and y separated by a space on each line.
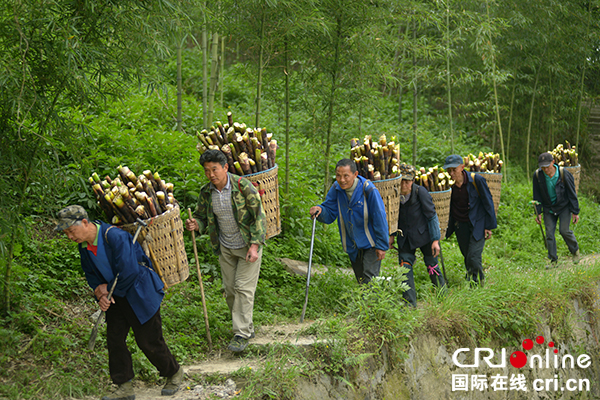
87 86
45 333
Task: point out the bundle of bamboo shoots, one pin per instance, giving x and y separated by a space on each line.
488 162
434 179
565 156
128 197
375 160
247 150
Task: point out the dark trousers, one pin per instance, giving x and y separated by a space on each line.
407 258
471 250
550 221
149 338
366 266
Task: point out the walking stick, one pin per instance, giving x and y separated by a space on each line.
442 261
201 287
94 335
535 203
312 242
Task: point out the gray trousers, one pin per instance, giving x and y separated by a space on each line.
550 221
239 280
366 266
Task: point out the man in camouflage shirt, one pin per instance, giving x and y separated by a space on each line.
229 208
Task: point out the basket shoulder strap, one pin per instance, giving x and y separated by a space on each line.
475 184
106 233
561 172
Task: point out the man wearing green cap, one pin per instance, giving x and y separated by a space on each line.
472 215
107 251
418 228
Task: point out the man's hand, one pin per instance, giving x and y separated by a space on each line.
392 239
435 248
538 219
105 303
101 290
315 211
252 254
575 218
488 234
191 224
101 293
380 254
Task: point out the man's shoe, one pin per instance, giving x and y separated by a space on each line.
576 257
552 264
123 392
173 383
238 344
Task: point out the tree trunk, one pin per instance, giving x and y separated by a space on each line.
213 78
448 84
334 79
527 171
204 74
587 31
260 67
287 123
222 72
179 85
497 105
512 106
415 95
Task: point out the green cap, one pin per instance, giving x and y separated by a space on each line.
408 172
68 216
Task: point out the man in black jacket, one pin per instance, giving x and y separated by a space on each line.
419 228
554 188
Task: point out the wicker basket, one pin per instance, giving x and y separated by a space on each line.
267 181
441 201
576 172
494 182
389 189
162 241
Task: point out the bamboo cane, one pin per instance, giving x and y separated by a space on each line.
201 287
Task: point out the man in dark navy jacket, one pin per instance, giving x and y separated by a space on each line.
472 215
419 228
554 189
105 252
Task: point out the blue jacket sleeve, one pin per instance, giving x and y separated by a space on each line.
433 225
487 202
379 217
329 208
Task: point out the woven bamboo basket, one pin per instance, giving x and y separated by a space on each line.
267 181
494 182
389 189
576 172
441 202
162 241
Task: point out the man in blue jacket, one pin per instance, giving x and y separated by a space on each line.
105 252
357 205
554 189
472 215
418 228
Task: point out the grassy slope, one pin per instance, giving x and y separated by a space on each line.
42 341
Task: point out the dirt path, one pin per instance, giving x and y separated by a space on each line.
225 363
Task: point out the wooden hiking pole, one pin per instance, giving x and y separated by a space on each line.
201 287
